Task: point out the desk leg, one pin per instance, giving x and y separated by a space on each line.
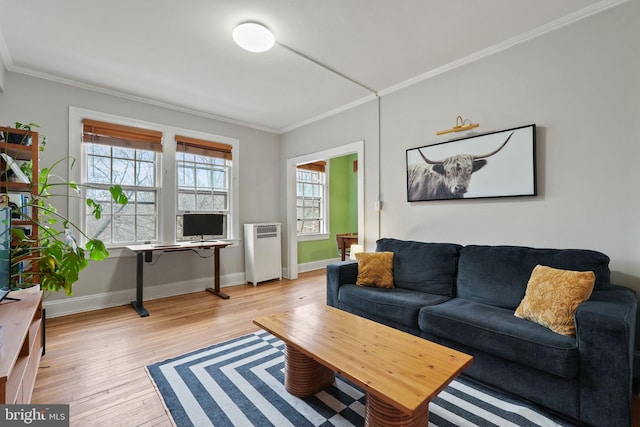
137 304
216 275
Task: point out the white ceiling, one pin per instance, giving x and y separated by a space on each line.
180 53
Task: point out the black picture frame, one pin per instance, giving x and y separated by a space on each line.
490 165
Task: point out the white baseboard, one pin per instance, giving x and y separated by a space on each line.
310 266
316 265
72 305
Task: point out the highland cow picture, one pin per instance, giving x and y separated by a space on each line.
496 164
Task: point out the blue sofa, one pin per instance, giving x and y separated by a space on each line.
464 297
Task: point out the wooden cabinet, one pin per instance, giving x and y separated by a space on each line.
21 321
17 147
21 350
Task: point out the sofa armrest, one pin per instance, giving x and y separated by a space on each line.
605 334
338 274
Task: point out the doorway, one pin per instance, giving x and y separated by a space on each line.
357 148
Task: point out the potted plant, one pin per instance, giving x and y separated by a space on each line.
23 138
55 252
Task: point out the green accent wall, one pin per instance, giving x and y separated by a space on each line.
343 210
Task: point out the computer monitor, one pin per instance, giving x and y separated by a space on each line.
202 224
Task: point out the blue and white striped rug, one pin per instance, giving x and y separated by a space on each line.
240 383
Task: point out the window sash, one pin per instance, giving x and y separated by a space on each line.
118 223
310 200
135 170
203 185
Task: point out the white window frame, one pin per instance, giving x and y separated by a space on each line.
166 169
226 212
324 234
156 188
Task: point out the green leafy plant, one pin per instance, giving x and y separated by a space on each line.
26 167
58 256
29 127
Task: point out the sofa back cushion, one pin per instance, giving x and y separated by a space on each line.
498 275
424 267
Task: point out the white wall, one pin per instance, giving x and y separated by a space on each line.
581 86
356 124
111 282
3 73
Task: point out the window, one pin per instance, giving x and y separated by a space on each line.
311 198
203 177
111 149
128 156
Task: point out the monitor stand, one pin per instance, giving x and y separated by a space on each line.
202 240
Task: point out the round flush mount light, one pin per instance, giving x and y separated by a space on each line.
253 37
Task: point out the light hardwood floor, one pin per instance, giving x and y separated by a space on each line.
96 361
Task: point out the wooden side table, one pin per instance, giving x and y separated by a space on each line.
345 240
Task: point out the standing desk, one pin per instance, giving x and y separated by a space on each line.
145 252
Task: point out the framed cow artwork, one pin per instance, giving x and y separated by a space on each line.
495 164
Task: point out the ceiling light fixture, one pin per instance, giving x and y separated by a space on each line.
253 37
245 35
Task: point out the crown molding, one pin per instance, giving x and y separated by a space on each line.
328 114
137 98
476 56
5 58
509 43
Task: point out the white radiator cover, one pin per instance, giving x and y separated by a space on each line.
262 252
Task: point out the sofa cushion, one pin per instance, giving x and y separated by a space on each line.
398 305
498 275
375 269
553 296
424 267
497 331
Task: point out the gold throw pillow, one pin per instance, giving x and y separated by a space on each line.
375 269
553 296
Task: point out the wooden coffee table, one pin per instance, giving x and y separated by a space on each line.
401 373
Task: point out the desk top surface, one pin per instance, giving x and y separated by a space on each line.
178 246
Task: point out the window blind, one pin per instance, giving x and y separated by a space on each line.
201 147
315 166
104 133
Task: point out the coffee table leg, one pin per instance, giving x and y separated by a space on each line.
303 376
380 414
